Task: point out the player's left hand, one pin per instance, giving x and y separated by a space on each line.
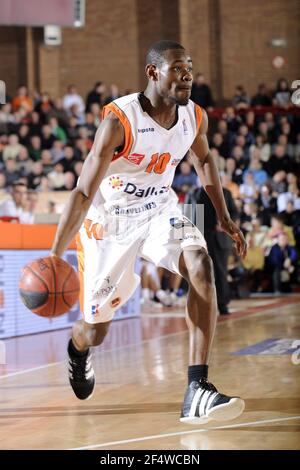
237 236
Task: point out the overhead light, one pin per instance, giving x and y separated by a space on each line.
278 42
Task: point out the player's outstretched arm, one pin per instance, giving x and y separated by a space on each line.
109 136
207 171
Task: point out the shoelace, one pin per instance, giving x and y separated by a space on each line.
207 385
79 368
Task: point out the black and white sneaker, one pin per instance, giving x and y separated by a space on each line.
203 402
81 374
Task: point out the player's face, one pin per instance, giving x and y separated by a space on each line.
175 76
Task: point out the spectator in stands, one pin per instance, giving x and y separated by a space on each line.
36 175
56 177
72 98
56 130
95 95
47 137
2 183
282 259
254 262
227 183
291 215
22 100
43 107
68 159
262 97
24 135
292 194
35 148
263 146
278 227
201 92
282 94
11 171
59 113
13 148
260 176
278 183
35 124
17 205
24 163
267 203
240 100
57 150
113 95
249 190
90 125
244 131
219 144
96 112
232 170
185 179
47 162
279 161
288 146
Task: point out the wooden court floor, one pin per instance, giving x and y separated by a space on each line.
141 379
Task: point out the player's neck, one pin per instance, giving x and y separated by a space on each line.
164 112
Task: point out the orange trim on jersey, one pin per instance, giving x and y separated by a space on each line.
198 113
113 108
80 258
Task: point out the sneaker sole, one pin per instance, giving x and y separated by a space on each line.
227 411
196 420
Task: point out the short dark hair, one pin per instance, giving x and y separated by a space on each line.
155 54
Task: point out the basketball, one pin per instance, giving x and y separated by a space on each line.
49 286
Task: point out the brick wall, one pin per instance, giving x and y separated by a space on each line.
228 40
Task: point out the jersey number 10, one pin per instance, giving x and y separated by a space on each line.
158 163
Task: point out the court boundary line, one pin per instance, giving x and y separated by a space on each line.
178 433
231 320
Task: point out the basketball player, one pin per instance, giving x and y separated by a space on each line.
124 207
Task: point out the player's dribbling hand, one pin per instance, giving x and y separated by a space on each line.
237 236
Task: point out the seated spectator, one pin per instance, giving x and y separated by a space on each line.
232 120
47 137
22 100
220 161
2 183
278 227
36 175
259 175
57 150
11 171
68 159
239 157
44 106
292 194
282 94
282 259
201 92
17 205
185 179
254 262
59 113
113 95
288 147
73 98
278 183
241 99
56 130
95 95
227 183
13 148
56 177
219 144
24 136
47 162
249 137
267 203
291 215
35 149
263 146
262 97
24 163
232 170
249 190
35 124
279 161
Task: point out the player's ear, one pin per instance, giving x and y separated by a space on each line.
151 72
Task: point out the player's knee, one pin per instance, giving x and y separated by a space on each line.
199 266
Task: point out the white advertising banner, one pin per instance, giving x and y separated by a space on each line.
17 320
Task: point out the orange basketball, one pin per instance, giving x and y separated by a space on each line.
49 286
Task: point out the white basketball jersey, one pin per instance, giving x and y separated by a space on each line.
140 176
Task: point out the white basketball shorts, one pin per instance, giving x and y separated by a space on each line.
107 249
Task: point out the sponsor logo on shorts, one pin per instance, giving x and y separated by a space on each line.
146 129
131 188
135 158
180 223
115 182
115 302
95 310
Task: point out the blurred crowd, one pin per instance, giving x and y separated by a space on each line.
44 141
